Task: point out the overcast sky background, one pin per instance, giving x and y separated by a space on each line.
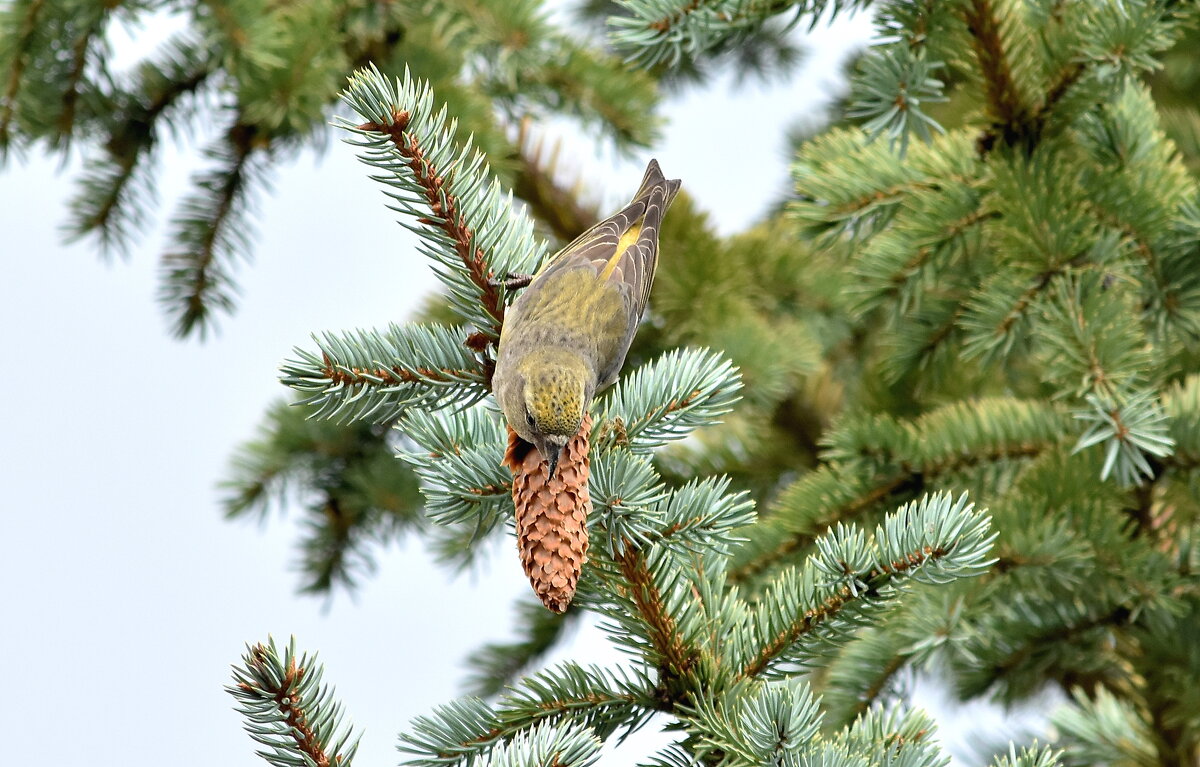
126 595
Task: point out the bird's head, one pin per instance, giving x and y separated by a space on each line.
555 396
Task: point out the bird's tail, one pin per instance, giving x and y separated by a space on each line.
653 198
653 179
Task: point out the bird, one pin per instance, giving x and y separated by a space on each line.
565 338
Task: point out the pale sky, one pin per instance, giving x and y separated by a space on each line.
127 596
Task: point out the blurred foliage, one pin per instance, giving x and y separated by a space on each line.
249 83
346 479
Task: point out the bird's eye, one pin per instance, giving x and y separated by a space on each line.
530 420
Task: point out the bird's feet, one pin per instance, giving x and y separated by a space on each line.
512 281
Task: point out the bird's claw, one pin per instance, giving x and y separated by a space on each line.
512 281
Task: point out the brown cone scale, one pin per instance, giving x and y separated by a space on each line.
552 535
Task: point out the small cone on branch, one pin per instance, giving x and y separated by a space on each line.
552 535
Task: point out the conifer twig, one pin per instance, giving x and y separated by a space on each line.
393 376
209 225
912 479
288 710
830 608
445 208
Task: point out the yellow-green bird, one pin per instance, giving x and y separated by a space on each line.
566 336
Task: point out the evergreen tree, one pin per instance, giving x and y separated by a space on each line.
996 294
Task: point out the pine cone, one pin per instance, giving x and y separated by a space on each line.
552 535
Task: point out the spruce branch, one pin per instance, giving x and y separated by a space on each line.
771 723
1087 338
468 228
852 576
1130 428
605 701
1003 656
666 32
1030 756
458 730
568 699
352 495
288 710
652 605
377 376
70 99
863 673
703 515
847 184
458 459
113 189
566 746
1181 404
892 84
1060 86
939 230
822 499
871 461
627 496
886 733
1102 728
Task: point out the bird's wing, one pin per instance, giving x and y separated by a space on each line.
623 248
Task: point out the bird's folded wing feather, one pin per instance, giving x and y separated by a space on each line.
623 248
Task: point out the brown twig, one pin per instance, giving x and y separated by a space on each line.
1011 117
676 659
394 375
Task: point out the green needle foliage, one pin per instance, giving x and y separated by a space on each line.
985 282
344 477
730 669
287 709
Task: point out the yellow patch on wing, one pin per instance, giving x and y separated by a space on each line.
627 239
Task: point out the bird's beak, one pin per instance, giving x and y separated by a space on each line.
553 451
